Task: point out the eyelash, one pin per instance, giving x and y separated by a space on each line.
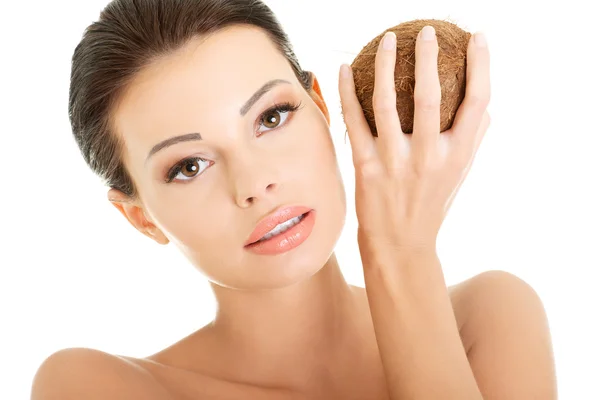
281 108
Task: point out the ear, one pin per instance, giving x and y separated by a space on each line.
135 214
317 96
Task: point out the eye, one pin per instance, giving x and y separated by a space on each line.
276 116
188 169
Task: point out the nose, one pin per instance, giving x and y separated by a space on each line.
253 183
253 193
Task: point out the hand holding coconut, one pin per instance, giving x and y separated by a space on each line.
405 184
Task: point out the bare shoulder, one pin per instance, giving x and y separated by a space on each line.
81 373
481 299
492 290
505 332
491 283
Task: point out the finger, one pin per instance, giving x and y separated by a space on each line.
485 123
361 138
389 131
483 126
477 96
428 93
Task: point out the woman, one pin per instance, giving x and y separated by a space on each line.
198 116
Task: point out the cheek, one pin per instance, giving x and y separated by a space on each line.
314 137
322 149
320 167
196 225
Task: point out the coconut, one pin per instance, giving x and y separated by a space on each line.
452 62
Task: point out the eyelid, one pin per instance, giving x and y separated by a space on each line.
278 95
288 107
173 171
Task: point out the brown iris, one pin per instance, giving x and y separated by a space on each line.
191 167
272 120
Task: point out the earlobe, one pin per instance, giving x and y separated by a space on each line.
317 96
157 235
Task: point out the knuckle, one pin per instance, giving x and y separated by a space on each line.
479 101
368 170
428 102
384 102
424 164
430 164
349 116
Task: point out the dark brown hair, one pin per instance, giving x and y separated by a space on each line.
128 36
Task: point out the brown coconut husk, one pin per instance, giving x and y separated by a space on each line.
452 68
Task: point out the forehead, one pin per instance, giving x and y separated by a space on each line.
237 57
210 75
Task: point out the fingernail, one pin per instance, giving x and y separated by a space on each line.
427 33
389 41
345 71
480 39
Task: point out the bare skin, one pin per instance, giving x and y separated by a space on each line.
194 368
287 326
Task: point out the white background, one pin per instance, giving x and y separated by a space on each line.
74 273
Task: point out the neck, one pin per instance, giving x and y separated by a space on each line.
300 325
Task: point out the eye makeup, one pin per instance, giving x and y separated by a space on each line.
286 108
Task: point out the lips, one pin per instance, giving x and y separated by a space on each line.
269 222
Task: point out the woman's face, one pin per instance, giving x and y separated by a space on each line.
252 166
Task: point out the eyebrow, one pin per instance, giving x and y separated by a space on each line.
243 111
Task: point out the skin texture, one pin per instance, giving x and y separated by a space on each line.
287 326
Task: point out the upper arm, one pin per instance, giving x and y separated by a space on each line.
80 373
506 335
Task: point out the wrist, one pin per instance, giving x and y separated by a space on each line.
405 243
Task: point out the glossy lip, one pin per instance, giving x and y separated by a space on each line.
269 222
286 241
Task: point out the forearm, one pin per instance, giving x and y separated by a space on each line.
419 343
